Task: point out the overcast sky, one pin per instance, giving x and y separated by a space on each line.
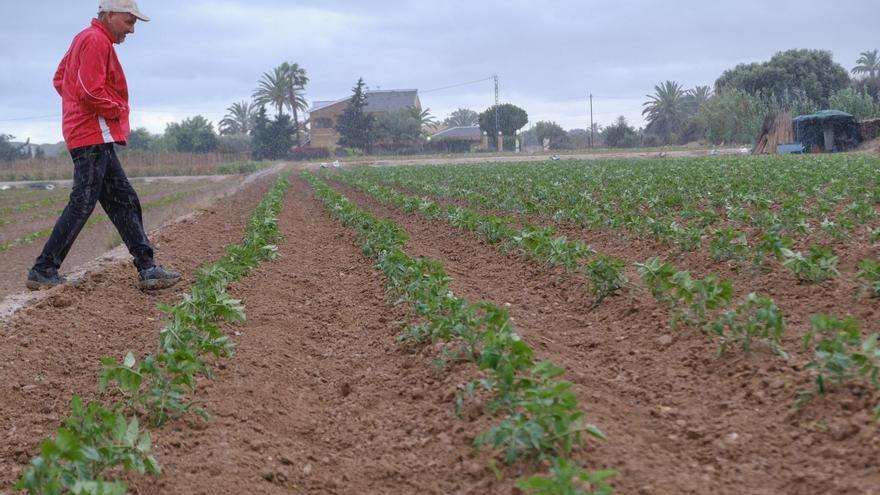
198 57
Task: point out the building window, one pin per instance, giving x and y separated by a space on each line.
322 123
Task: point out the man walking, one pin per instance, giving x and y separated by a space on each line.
94 97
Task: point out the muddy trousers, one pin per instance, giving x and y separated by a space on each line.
97 176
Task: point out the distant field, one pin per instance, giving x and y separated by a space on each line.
136 164
28 215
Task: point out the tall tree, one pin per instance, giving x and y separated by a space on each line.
556 136
665 111
272 89
355 125
398 128
192 135
140 139
869 63
695 98
810 74
295 84
10 151
620 134
733 116
462 117
239 119
426 121
511 118
261 145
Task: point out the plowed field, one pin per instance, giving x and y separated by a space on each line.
322 396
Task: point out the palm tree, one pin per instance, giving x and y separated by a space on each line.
695 98
462 117
426 120
295 84
699 96
665 109
239 119
869 63
272 89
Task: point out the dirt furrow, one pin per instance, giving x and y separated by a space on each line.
320 397
679 418
53 350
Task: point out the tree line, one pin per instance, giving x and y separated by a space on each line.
800 81
732 111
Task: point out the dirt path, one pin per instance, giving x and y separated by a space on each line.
53 350
679 419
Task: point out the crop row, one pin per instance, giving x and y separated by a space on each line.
605 273
705 304
97 438
750 204
542 419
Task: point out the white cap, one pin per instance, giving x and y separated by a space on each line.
128 6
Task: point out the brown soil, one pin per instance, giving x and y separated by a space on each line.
872 146
320 397
679 419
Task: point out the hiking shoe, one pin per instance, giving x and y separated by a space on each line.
37 280
157 277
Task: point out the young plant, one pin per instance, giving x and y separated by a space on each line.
606 275
657 276
754 318
842 354
869 275
772 245
567 478
545 419
728 244
93 439
821 264
695 298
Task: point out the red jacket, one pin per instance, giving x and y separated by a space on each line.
94 94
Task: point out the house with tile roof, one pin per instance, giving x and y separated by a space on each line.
324 114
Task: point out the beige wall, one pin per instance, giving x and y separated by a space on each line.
326 136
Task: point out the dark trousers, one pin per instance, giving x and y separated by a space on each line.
98 176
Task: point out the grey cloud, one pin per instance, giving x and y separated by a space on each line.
203 55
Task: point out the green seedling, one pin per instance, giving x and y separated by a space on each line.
821 264
754 318
771 245
657 276
92 440
545 419
728 244
842 354
869 276
606 274
567 478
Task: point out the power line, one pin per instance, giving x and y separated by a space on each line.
457 85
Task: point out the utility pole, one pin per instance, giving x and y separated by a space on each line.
591 121
497 102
